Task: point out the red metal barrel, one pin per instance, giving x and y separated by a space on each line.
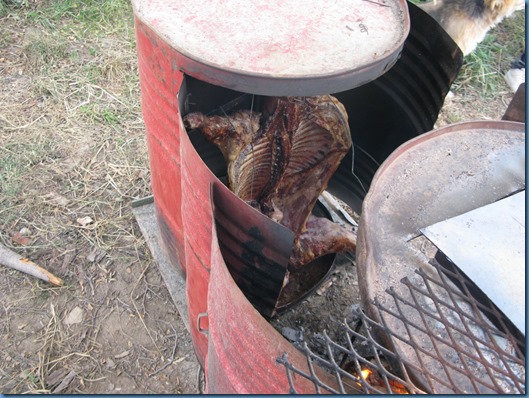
196 216
180 188
160 82
243 346
272 48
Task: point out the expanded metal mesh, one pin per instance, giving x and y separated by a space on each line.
346 363
448 339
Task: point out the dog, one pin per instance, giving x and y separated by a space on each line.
468 21
516 75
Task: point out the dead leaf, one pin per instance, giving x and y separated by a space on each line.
110 363
84 221
57 199
21 239
65 382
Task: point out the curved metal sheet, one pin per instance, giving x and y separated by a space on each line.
243 347
405 101
255 248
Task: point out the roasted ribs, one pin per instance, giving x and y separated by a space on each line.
281 159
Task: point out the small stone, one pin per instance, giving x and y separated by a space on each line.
75 316
84 221
292 334
96 255
110 363
122 355
25 232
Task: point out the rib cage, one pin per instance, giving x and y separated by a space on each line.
283 162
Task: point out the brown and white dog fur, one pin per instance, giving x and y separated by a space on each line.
468 21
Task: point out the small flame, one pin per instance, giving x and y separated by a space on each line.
362 377
365 373
376 383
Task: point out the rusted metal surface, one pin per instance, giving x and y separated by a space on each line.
197 224
516 109
256 248
426 180
176 184
405 101
243 346
497 354
278 47
160 83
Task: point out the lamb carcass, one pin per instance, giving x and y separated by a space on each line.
280 161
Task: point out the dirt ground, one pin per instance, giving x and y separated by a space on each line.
73 157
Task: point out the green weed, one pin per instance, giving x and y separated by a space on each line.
484 68
41 51
98 114
18 160
84 18
33 378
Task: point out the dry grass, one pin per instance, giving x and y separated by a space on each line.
480 91
72 145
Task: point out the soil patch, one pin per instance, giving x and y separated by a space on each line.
72 158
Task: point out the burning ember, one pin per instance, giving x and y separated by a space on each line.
281 159
372 380
365 373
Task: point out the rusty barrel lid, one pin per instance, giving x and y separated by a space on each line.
431 178
281 47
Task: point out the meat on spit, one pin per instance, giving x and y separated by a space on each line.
280 161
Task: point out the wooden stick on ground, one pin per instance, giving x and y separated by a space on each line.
13 260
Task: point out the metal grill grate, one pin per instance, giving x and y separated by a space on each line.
387 373
447 341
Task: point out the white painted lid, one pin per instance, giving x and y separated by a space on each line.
343 43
